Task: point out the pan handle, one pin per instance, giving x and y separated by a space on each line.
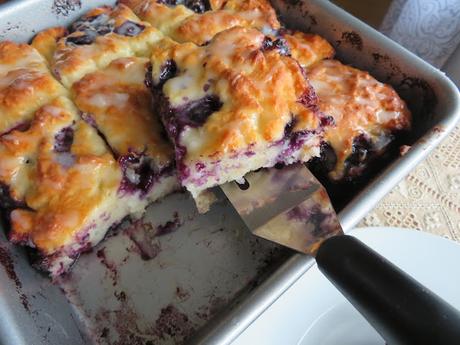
402 310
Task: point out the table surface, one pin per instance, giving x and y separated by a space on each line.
429 198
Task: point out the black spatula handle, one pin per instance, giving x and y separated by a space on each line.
402 310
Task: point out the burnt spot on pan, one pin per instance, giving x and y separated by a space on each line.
293 2
109 264
7 262
120 326
182 294
142 236
10 27
214 306
421 100
172 323
300 7
120 296
393 71
351 38
65 7
170 226
379 58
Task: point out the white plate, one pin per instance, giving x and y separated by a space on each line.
313 312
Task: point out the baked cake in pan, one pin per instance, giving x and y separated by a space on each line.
25 84
238 104
93 41
367 114
117 103
198 21
235 92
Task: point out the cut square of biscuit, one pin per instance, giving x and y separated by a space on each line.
235 105
93 41
368 117
117 103
64 184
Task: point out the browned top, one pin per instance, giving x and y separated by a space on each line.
359 104
308 48
260 90
121 105
184 25
71 62
25 84
62 189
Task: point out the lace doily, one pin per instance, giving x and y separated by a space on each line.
429 198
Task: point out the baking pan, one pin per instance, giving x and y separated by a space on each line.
207 278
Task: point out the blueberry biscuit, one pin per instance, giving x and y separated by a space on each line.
367 115
235 105
63 185
117 103
99 37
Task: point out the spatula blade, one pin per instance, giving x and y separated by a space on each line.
287 206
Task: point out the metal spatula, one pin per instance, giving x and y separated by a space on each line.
290 207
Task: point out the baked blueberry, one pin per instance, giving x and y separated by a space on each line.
129 28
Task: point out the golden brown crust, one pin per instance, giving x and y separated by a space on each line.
46 41
184 25
71 62
360 105
192 29
25 84
121 105
62 189
258 12
217 4
260 91
308 49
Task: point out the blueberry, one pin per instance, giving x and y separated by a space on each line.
195 113
63 140
167 71
279 44
326 162
289 127
84 39
148 81
198 6
90 27
360 150
309 99
244 185
129 28
169 2
328 157
138 173
327 121
100 24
